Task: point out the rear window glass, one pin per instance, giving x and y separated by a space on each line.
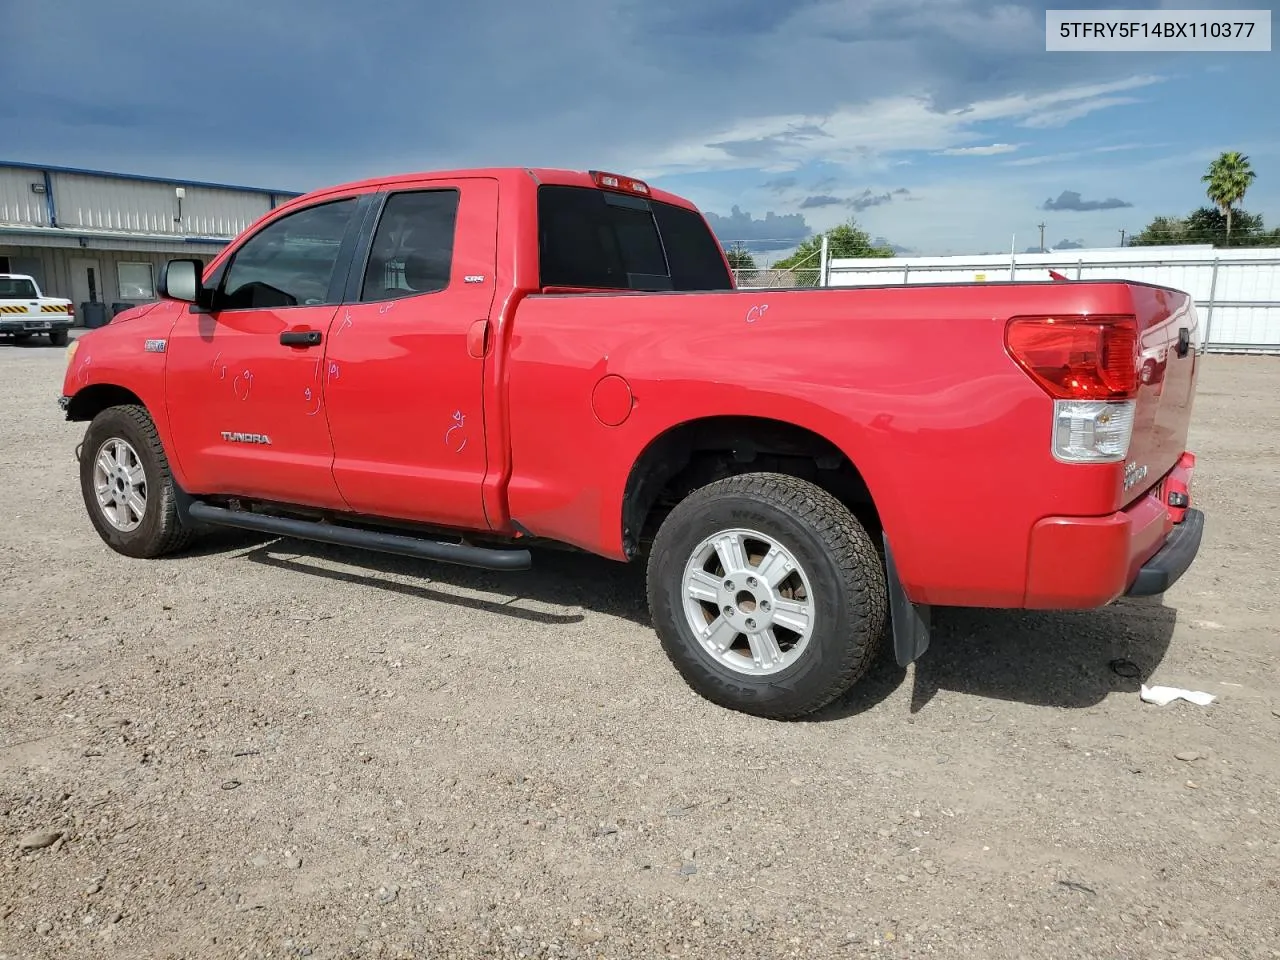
13 288
595 238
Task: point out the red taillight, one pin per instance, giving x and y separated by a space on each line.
614 181
71 309
1078 358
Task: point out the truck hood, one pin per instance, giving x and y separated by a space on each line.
134 313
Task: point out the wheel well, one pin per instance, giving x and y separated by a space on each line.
702 451
91 401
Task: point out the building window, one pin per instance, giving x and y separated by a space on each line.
136 281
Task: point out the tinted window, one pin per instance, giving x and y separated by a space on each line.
11 288
692 250
413 246
290 262
594 238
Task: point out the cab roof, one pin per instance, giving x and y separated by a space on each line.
539 175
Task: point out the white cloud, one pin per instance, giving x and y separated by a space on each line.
1061 117
860 135
990 150
1076 154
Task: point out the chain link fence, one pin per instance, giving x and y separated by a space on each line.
765 277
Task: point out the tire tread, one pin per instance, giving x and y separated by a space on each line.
170 535
851 550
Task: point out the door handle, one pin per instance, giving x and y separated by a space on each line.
300 338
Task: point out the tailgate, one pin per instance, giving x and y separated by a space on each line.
1168 347
35 316
13 307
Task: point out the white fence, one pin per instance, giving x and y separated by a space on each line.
1237 291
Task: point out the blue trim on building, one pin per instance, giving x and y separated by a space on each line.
142 178
49 203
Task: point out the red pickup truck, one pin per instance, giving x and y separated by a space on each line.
460 365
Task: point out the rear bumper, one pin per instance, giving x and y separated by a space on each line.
28 324
1172 560
1084 562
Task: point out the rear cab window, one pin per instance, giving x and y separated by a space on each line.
589 237
17 288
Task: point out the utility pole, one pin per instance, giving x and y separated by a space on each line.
1041 226
1122 238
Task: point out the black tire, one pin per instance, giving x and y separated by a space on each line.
21 337
161 530
58 338
839 559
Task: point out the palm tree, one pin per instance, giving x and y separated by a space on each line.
1228 178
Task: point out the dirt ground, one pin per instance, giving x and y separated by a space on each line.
271 749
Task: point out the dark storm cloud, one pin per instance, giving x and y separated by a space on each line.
867 199
302 92
821 200
771 232
779 184
1070 200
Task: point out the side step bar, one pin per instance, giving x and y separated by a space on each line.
461 554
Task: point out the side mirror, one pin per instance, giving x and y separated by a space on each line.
180 280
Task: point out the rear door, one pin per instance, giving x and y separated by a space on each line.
406 356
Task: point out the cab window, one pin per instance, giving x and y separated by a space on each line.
413 246
290 262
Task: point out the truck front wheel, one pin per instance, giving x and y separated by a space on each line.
768 595
127 486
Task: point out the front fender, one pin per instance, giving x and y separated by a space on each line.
121 364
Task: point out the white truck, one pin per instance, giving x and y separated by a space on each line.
25 311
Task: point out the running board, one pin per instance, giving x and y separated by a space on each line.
461 554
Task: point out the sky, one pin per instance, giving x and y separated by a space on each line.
942 126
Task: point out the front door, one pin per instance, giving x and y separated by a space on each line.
86 281
405 357
246 380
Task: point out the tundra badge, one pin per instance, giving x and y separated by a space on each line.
1133 473
236 437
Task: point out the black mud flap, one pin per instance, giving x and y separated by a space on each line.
911 621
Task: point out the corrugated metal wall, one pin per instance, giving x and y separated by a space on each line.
101 203
123 219
51 266
93 201
18 204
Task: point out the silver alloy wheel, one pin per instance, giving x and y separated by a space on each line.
748 601
120 483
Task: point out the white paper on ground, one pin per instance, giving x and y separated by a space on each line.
1166 695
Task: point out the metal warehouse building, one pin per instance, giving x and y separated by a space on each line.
99 238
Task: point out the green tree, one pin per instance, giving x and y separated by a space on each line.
845 241
1207 225
1228 179
1162 231
740 259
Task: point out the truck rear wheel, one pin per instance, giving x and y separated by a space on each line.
127 486
58 338
768 595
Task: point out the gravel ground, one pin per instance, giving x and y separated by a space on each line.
273 749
